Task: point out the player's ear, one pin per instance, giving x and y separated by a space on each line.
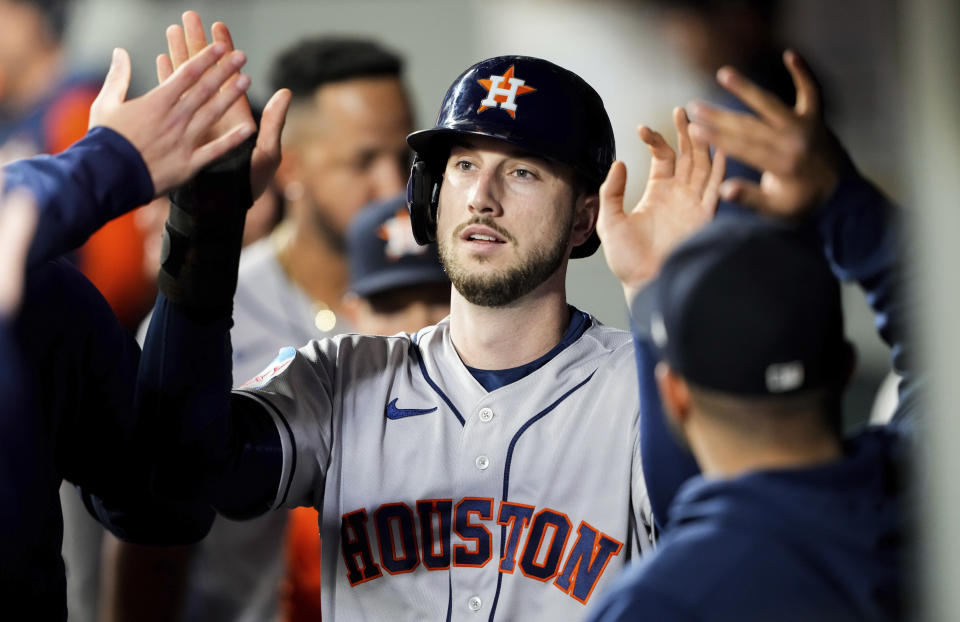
288 176
585 213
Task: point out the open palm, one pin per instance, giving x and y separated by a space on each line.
680 197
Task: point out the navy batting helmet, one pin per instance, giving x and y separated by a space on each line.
528 102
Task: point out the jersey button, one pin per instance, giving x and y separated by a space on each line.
486 415
482 462
474 603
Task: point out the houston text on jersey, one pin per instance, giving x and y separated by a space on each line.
535 542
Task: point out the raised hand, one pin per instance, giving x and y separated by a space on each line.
185 43
800 159
680 197
168 124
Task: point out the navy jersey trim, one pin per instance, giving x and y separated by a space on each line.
415 352
449 595
506 476
493 379
290 436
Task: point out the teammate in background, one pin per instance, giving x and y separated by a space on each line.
711 34
789 521
456 469
396 285
80 363
43 108
344 146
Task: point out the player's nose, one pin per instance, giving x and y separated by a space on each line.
483 196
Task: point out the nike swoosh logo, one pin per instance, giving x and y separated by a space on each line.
399 413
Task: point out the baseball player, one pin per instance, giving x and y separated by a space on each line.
484 467
789 521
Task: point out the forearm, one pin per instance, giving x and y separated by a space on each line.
862 239
99 178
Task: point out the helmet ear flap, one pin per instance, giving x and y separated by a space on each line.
423 195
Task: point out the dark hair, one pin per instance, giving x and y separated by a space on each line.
313 62
749 412
54 13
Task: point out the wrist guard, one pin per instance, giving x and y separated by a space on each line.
203 235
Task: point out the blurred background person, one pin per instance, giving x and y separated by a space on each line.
344 145
744 34
396 285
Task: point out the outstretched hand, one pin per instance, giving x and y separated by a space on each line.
800 159
168 124
186 43
680 197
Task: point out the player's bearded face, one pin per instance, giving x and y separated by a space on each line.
501 287
505 222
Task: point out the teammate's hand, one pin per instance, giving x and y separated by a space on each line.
18 220
800 159
680 197
167 124
185 43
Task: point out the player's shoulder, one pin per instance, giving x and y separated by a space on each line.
606 341
349 346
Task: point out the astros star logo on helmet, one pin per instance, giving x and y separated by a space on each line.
502 96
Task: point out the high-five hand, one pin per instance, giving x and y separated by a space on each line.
186 43
168 125
680 197
800 159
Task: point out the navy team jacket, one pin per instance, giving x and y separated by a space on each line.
69 377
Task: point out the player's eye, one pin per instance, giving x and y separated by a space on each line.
523 173
464 165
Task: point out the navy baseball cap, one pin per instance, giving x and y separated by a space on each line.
749 307
382 253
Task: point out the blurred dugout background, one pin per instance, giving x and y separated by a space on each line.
890 69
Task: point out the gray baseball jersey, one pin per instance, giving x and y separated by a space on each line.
440 500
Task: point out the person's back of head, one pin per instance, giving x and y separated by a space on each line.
748 315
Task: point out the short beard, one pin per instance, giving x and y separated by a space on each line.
499 290
324 227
